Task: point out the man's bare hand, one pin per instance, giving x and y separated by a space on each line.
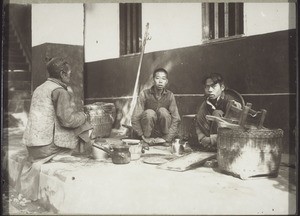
213 139
210 142
205 142
150 141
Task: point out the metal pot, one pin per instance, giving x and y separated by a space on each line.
119 154
99 153
178 148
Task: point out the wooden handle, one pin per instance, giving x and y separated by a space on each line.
136 85
102 148
215 118
221 121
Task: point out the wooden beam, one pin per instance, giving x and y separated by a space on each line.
216 23
226 22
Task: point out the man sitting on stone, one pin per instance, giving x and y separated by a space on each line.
156 113
54 125
215 104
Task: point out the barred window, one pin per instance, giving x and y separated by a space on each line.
221 20
130 27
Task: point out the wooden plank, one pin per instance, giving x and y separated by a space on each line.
226 22
139 25
205 21
189 161
134 28
216 21
122 20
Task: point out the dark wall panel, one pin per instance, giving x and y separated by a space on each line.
281 113
73 54
20 16
261 66
256 64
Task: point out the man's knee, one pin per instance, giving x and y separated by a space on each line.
149 114
163 112
218 113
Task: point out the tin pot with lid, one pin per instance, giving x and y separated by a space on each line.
119 154
177 147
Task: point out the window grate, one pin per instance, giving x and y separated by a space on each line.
221 20
130 27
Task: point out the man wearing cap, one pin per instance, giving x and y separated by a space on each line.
156 114
54 125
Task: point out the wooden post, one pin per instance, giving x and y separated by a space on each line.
243 116
262 118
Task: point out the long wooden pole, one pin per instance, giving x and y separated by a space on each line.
136 85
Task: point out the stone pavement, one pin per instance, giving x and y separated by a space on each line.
15 204
87 186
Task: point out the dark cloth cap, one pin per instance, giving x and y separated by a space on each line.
56 65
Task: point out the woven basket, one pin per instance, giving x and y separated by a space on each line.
101 117
255 152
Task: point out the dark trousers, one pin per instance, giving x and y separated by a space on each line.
156 123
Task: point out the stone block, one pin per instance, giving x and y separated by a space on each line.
19 85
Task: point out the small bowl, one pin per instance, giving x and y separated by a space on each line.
135 148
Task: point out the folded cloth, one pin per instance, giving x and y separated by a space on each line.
84 136
83 131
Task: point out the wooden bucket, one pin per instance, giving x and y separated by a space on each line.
255 152
101 117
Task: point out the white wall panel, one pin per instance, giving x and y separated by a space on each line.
57 23
101 31
172 25
261 18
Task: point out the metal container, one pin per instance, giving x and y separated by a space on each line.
99 153
177 147
119 154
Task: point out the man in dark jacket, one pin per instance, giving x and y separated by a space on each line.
215 104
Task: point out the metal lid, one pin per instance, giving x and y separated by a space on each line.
120 146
